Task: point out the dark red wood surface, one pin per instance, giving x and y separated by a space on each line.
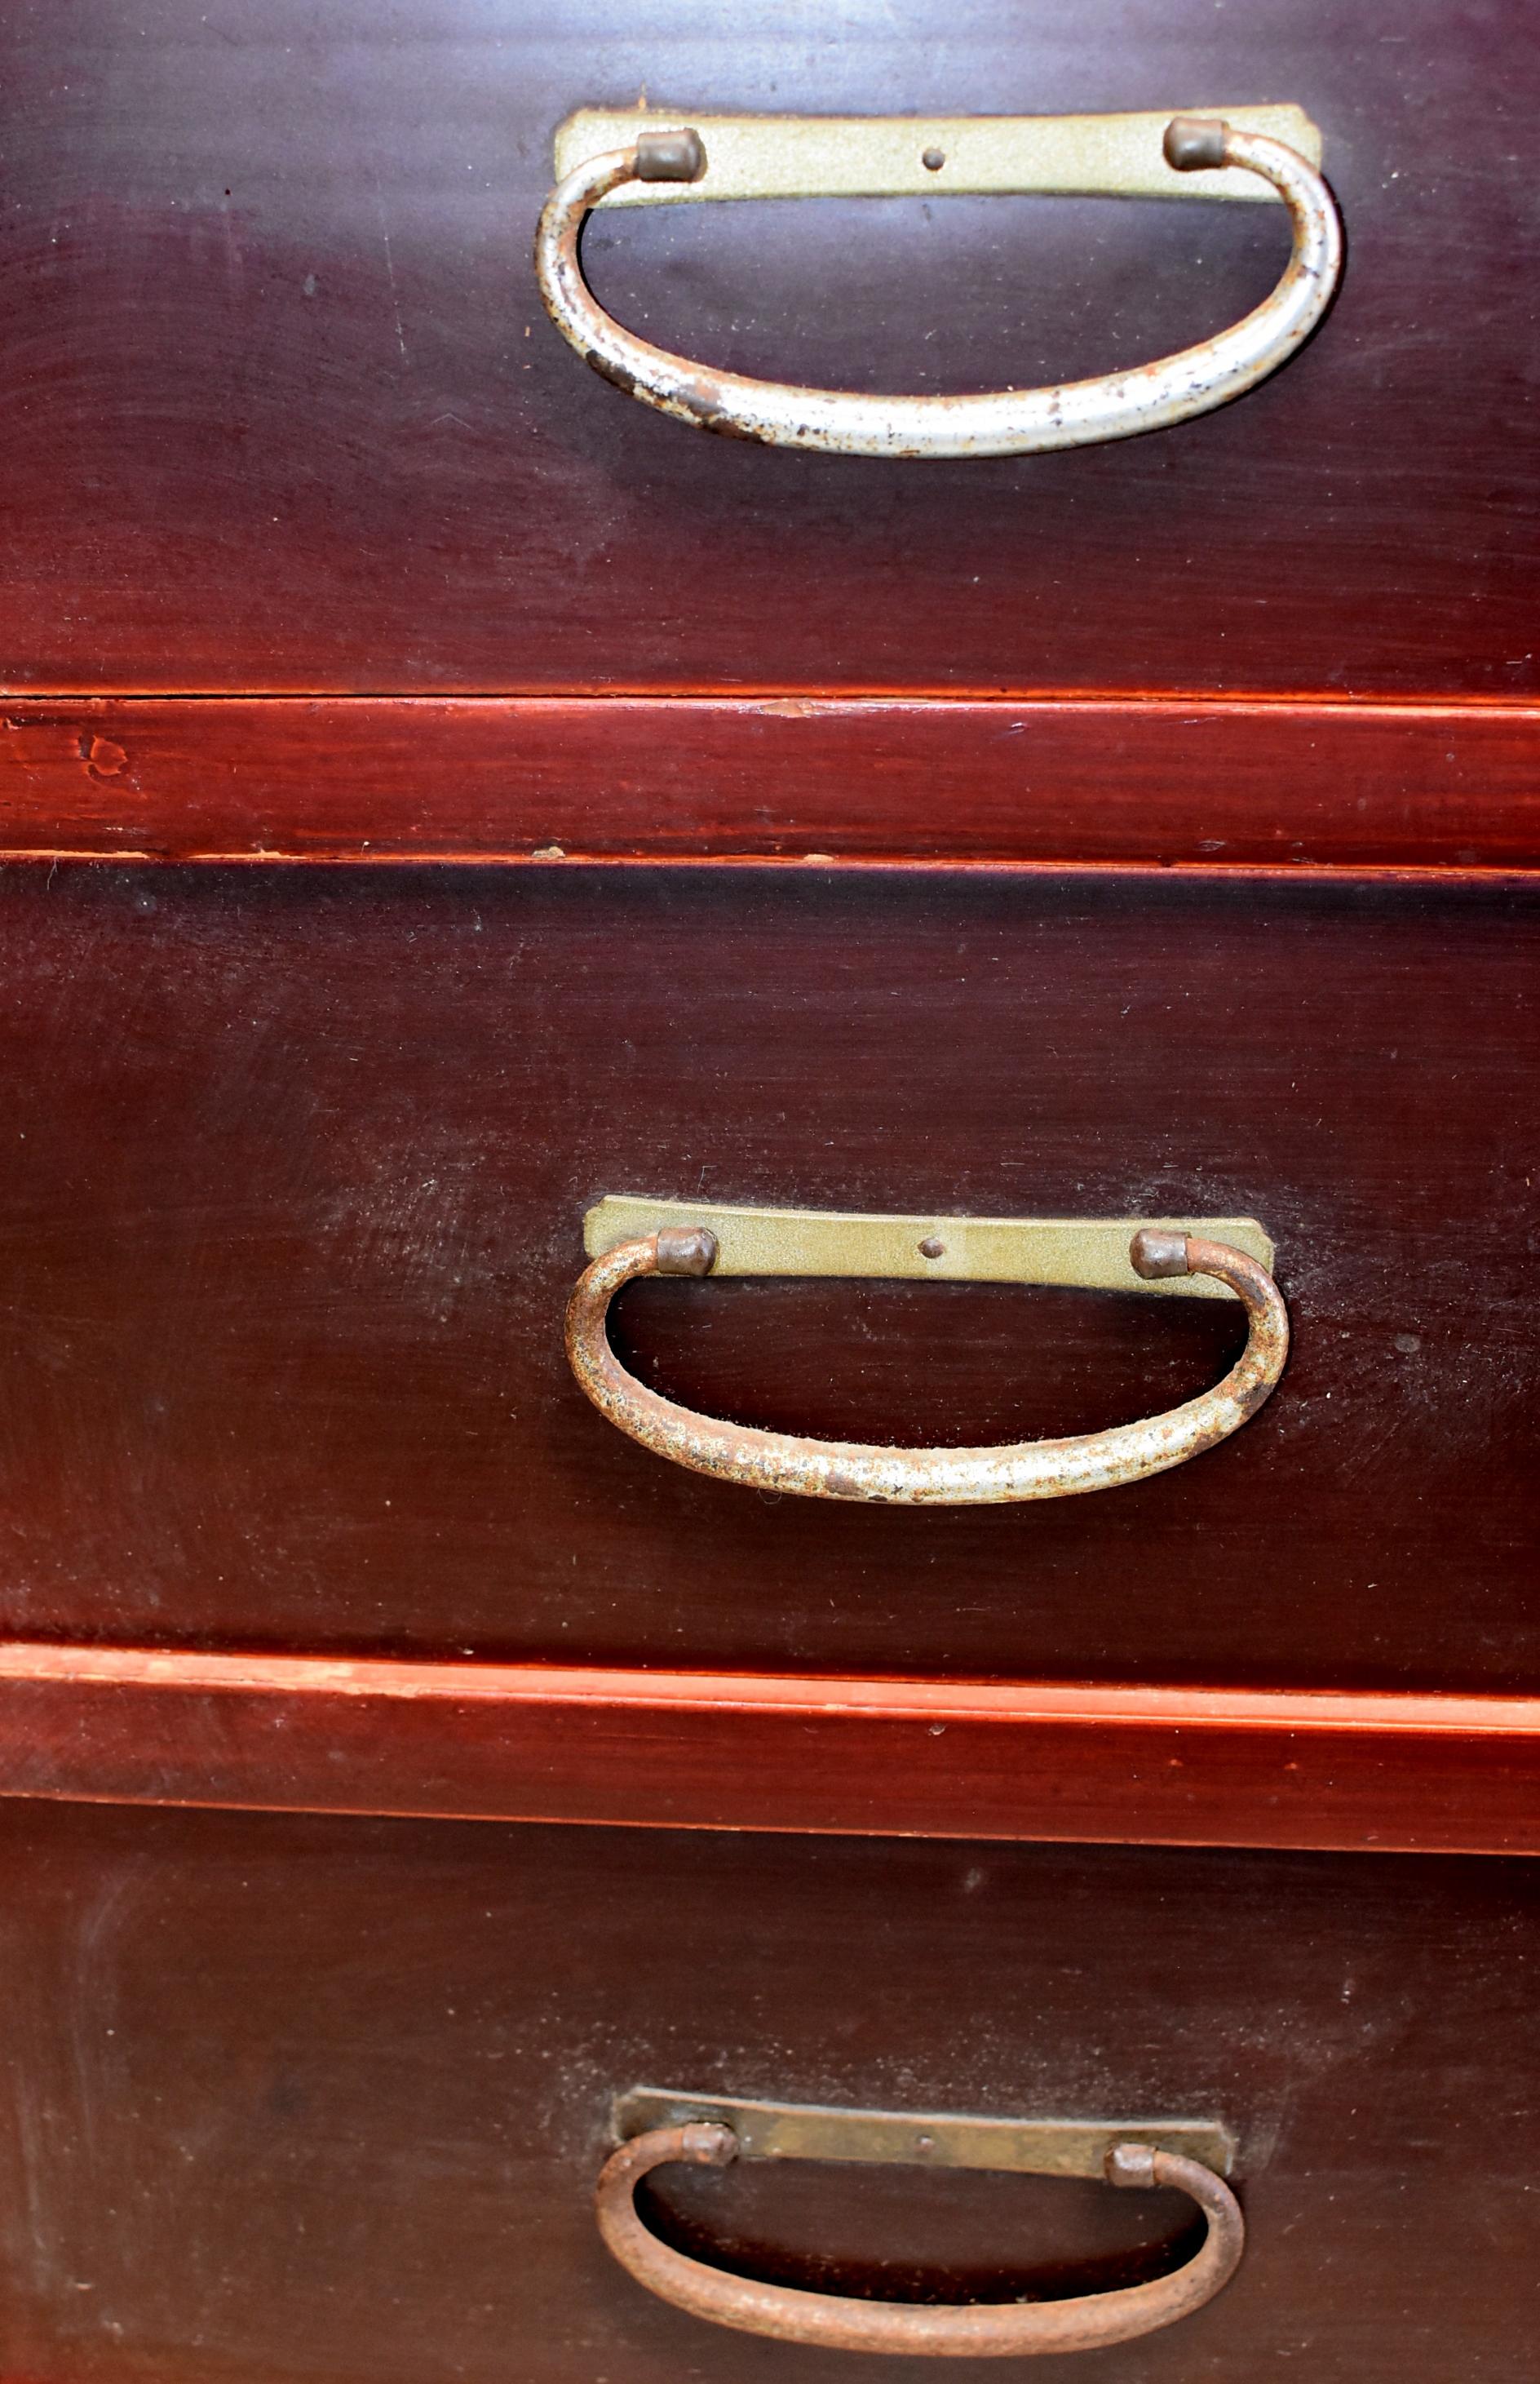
282 411
728 1751
1185 782
291 2098
296 1165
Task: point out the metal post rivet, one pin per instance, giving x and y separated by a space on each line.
933 1246
933 160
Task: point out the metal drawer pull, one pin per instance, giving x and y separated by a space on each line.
781 1242
710 2133
627 159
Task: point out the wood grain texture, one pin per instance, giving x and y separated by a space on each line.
294 1171
725 1751
283 412
1291 785
293 2097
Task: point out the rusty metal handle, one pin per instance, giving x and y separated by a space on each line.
926 1477
1002 422
980 2330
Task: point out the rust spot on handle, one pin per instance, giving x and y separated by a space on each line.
1154 1253
980 2330
1194 144
1000 422
685 1250
786 1463
671 156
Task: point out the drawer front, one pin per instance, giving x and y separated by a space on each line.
304 424
293 1197
295 2099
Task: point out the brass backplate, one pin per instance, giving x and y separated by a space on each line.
921 2139
885 156
1078 1253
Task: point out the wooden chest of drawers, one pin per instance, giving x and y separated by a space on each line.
439 793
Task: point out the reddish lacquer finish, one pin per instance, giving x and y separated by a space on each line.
731 1751
775 778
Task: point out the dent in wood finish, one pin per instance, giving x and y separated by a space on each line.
297 2097
715 1751
282 411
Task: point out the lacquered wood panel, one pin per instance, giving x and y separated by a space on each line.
1259 786
290 2099
291 1203
282 410
771 1750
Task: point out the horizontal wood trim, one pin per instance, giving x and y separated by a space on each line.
394 779
728 1751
